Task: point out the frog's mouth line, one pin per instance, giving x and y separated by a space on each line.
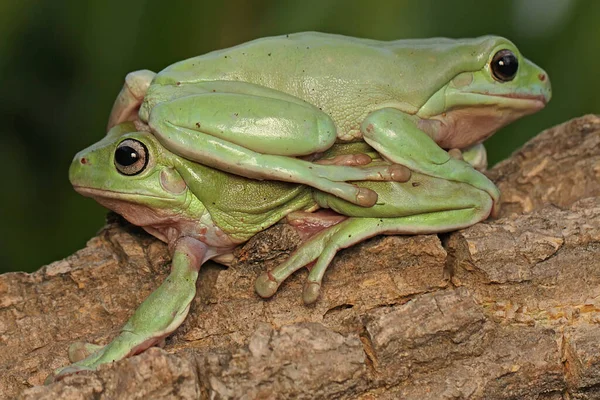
536 101
111 194
538 97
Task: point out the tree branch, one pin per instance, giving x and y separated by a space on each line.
506 309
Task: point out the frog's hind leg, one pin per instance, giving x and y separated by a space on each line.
130 97
324 246
257 134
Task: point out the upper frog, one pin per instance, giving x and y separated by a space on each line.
348 78
251 109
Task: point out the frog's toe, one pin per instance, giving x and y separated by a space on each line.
61 373
266 285
311 292
80 350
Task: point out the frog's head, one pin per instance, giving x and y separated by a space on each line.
130 173
494 86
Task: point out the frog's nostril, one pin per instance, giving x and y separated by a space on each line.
83 160
542 77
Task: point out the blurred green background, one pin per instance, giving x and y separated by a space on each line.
62 64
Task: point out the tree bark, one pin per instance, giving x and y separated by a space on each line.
506 309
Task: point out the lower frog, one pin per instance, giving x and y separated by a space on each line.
204 213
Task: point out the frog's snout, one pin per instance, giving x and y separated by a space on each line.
79 167
546 88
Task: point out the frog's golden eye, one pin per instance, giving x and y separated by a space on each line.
131 157
504 66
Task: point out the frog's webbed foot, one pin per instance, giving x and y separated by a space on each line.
88 356
81 350
63 372
83 356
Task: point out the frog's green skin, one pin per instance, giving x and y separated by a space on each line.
203 213
248 108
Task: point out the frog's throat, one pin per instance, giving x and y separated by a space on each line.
165 223
111 194
462 127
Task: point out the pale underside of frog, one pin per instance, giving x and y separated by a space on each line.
255 108
158 179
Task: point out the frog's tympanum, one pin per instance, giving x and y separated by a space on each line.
217 148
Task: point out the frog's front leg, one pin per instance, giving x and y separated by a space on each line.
258 137
159 315
130 98
396 136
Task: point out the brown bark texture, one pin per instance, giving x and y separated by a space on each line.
506 309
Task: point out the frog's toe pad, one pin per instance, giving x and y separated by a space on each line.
80 350
266 285
311 292
366 197
399 173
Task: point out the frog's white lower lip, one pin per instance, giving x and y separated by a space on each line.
537 101
110 194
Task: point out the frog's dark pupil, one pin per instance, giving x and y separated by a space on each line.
508 65
126 156
505 65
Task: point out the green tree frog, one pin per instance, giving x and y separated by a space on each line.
259 108
203 213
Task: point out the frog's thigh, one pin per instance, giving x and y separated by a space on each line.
395 135
189 127
130 98
356 230
262 124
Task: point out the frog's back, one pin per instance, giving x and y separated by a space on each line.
347 77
